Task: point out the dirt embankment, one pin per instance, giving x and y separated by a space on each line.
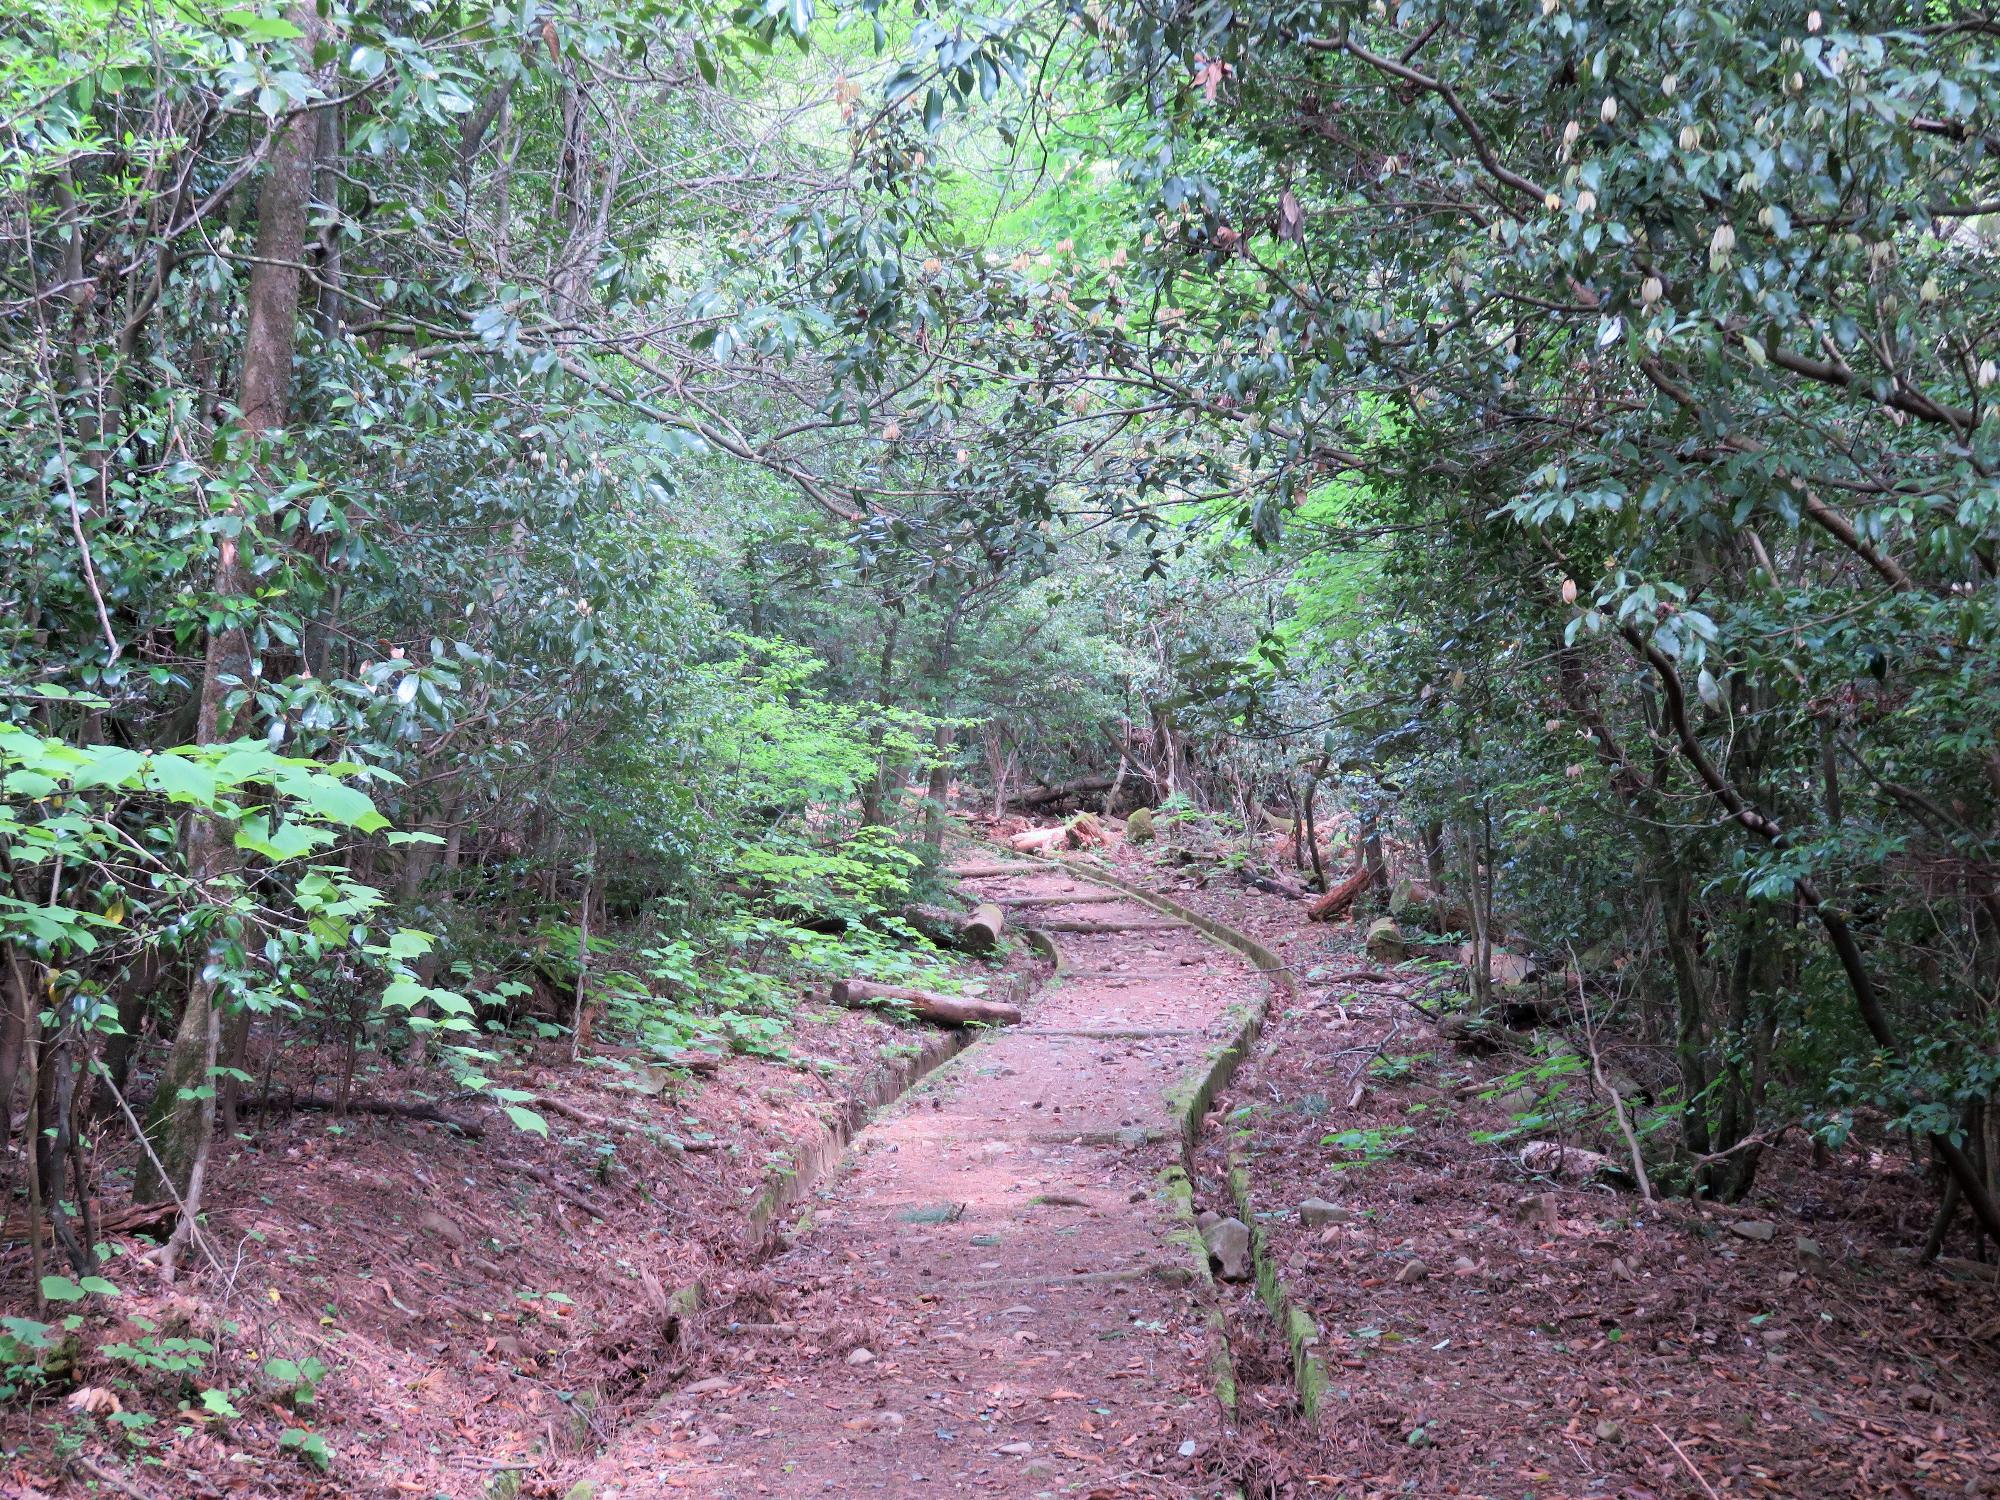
1492 1331
388 1307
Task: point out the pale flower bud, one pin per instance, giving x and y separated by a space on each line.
1814 21
1765 216
1550 7
1586 202
1651 290
1552 202
1570 132
1569 591
1988 373
1796 83
1670 85
1690 137
1608 110
1720 244
1929 292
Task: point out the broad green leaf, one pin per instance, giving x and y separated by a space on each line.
527 1119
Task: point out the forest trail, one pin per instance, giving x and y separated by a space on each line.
1000 1246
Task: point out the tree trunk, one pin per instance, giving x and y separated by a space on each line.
182 1116
876 797
579 1035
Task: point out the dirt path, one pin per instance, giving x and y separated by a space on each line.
985 1298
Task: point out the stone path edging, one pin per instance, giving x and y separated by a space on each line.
1189 1102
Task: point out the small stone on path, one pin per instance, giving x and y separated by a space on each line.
1228 1242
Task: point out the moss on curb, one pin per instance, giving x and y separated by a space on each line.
1189 1099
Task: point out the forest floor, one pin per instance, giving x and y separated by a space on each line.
993 1294
1491 1332
486 1303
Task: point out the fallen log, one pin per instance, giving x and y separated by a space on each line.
704 1063
981 931
983 872
934 922
1336 901
1064 924
1050 796
394 1108
1274 885
1081 898
976 932
1039 840
941 1010
129 1219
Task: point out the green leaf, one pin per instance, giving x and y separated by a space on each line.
261 28
182 780
338 802
407 942
61 1289
28 1332
218 1403
527 1119
107 765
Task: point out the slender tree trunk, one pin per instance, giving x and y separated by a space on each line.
875 799
1311 800
579 1035
182 1117
13 1040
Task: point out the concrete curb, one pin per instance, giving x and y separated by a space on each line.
1189 1100
1294 1320
1186 1100
882 1087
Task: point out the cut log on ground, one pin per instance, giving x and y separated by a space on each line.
989 872
975 932
941 1010
1336 901
1039 840
981 931
1087 831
